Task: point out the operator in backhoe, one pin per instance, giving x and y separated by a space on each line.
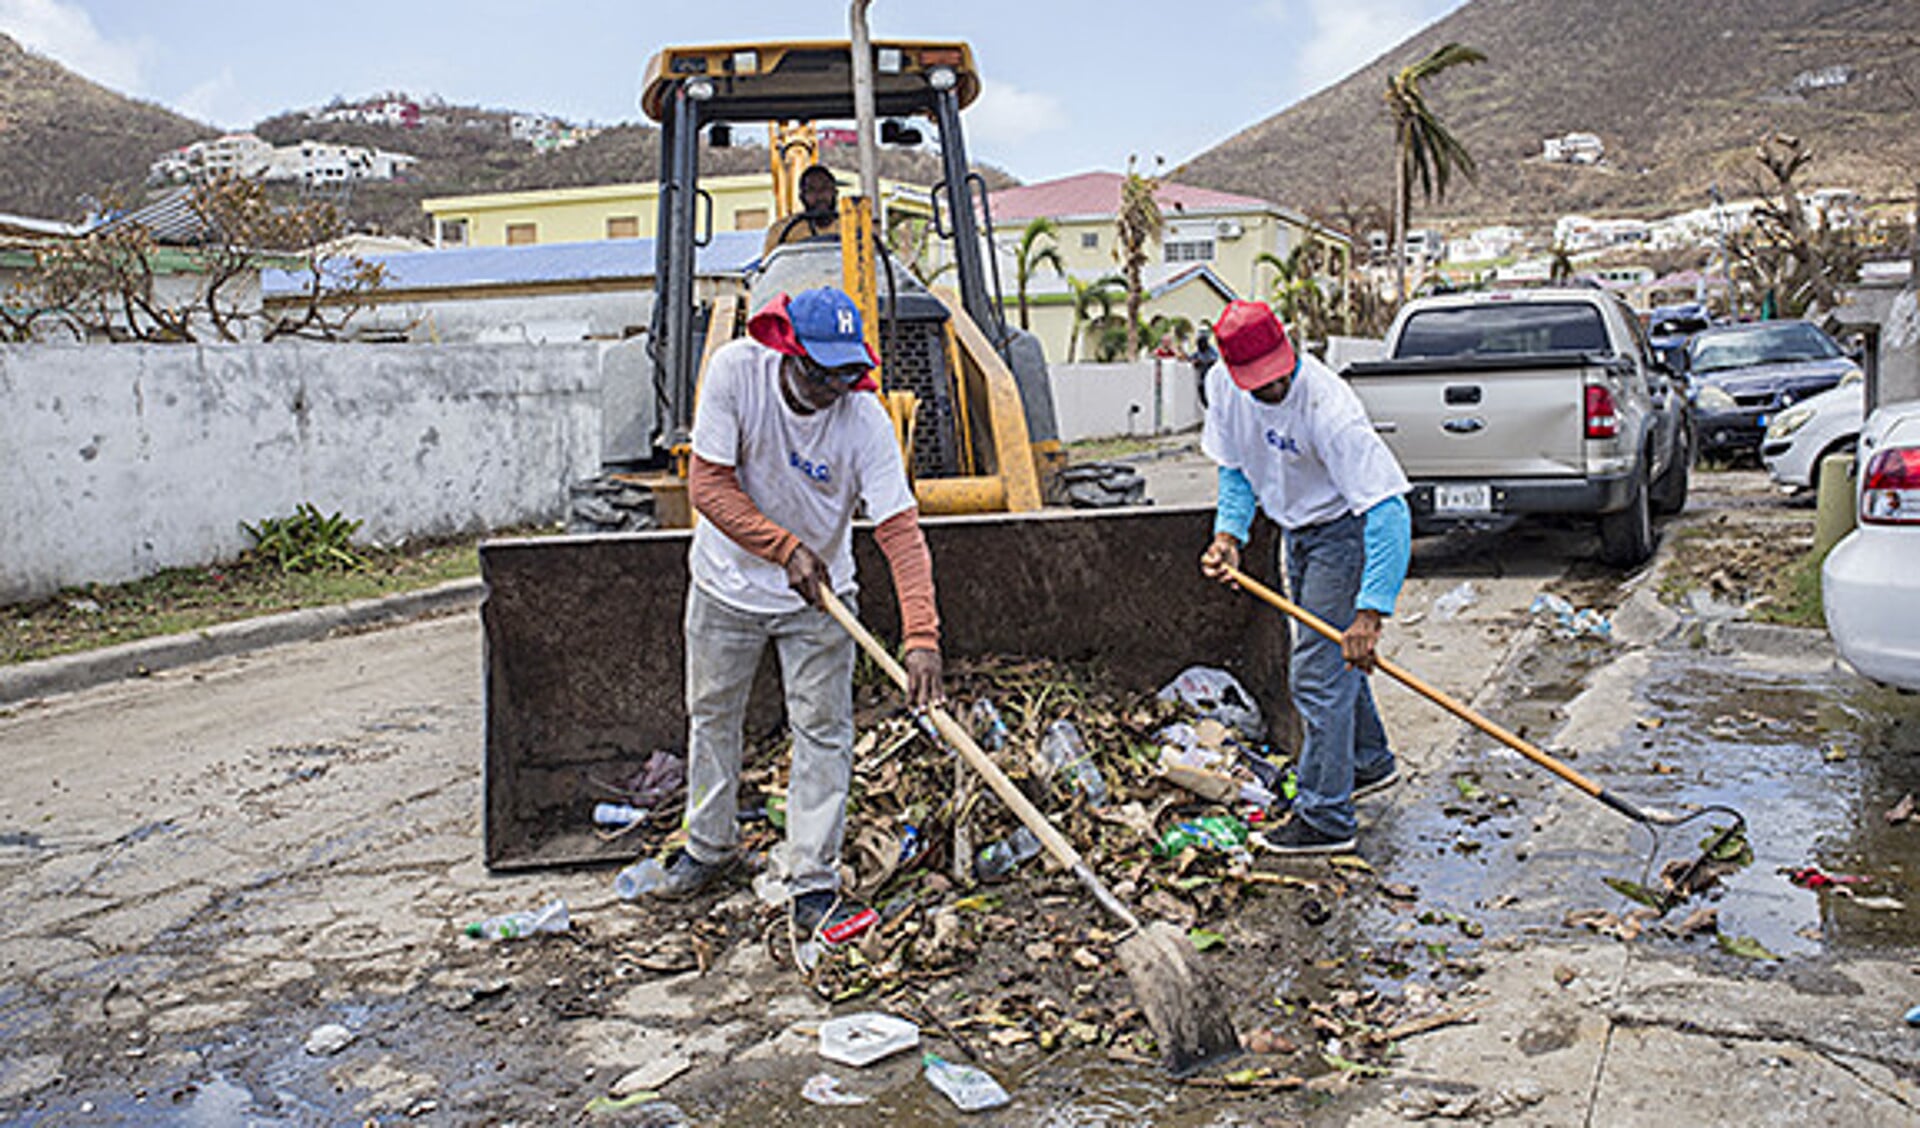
819 212
785 446
1292 439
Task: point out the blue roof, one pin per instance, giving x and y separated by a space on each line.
730 253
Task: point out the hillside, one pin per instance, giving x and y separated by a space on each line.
1679 93
63 137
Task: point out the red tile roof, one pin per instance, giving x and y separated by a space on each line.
1098 193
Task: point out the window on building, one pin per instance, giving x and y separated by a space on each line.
1190 250
750 219
522 234
1089 240
623 227
453 232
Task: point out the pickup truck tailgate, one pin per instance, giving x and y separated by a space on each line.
1507 417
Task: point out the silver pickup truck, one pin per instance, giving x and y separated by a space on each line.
1535 401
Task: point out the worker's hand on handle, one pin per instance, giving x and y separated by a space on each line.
1221 558
1361 641
924 670
807 574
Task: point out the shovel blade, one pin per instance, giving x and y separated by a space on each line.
1185 1006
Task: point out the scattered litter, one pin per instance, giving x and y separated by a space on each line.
1902 811
1064 754
824 1089
862 1039
641 1110
513 926
1746 947
1834 753
1003 857
618 814
1426 1104
327 1040
988 727
1811 877
639 879
1221 833
1453 602
1567 622
653 1075
1913 1016
1877 904
968 1088
1215 693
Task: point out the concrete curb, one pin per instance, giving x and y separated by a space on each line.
70 673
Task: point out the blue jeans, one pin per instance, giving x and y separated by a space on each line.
724 644
1343 731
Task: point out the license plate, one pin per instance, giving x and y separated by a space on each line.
1455 501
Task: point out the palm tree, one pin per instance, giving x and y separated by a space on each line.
1087 298
1559 264
1298 296
1425 148
1137 224
1030 254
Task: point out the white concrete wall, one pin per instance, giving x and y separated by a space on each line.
1148 397
119 460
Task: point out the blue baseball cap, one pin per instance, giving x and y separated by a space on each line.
827 324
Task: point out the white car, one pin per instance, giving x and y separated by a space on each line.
1870 582
1799 437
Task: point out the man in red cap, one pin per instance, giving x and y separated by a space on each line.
785 445
1292 439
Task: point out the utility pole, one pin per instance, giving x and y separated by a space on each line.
862 48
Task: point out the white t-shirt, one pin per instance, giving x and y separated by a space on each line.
805 472
1310 458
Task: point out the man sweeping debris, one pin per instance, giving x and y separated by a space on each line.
1292 440
784 449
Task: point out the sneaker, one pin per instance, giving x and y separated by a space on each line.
688 876
1295 836
822 920
1365 785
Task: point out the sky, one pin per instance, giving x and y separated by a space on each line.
1069 85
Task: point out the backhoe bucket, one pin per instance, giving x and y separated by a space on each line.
584 649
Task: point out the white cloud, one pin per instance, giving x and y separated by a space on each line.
1339 37
66 34
1007 115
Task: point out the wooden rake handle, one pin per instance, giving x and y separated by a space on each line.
1438 697
956 737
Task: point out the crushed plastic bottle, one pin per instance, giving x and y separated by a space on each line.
988 727
1455 601
1005 856
618 814
639 879
968 1088
1066 756
513 926
1223 833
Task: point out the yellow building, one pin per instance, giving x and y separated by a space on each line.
619 211
1208 253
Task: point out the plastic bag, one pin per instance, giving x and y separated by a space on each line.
1213 692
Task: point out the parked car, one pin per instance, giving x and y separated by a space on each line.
1539 401
1801 437
1742 375
1670 326
1869 583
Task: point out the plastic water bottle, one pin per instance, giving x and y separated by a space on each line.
1066 756
968 1088
513 926
639 879
988 728
1005 856
618 814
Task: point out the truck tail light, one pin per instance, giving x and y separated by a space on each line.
1602 422
1890 495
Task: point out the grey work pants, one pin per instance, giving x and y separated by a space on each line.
724 645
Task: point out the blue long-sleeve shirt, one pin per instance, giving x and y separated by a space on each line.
1388 538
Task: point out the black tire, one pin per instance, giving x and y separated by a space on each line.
1626 537
1670 489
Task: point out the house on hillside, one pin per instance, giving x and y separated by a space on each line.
1574 148
620 211
312 163
1207 254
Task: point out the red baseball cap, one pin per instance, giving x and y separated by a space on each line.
1254 344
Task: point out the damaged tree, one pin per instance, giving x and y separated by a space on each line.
1792 261
193 272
